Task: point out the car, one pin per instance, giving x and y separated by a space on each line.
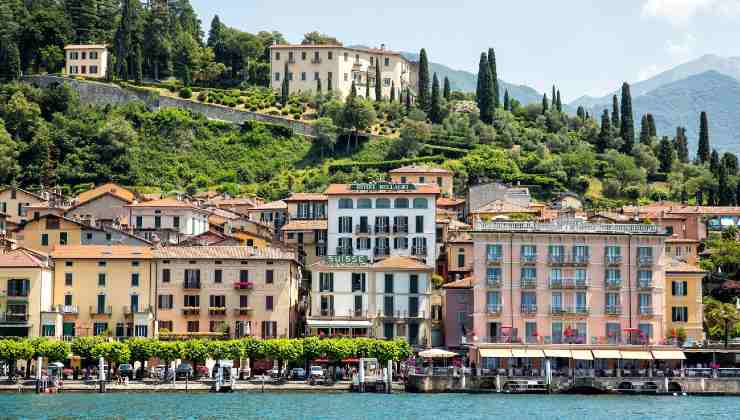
184 370
316 374
126 370
298 374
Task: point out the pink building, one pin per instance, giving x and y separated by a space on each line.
568 281
457 317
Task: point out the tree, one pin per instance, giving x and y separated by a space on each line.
729 161
52 58
681 144
393 91
494 77
507 103
644 130
326 134
702 154
446 90
128 39
216 40
413 136
367 85
553 104
545 104
652 132
10 60
719 315
378 80
114 352
53 350
605 134
581 113
726 193
84 17
167 352
615 113
627 124
9 152
142 349
666 155
423 100
435 111
484 95
714 163
318 86
83 347
317 38
558 103
285 87
194 351
407 100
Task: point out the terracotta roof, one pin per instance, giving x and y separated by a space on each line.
126 252
208 238
401 263
224 252
23 258
503 206
306 225
707 210
676 266
449 202
166 202
108 188
24 192
413 169
464 283
238 201
682 240
272 205
306 197
222 213
82 46
613 216
344 189
334 46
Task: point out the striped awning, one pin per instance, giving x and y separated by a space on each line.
636 355
582 355
668 355
606 354
558 353
529 353
495 352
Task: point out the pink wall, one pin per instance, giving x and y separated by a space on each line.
453 302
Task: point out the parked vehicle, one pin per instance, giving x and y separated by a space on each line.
298 374
316 375
126 370
184 370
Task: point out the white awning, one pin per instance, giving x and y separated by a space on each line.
437 354
558 353
582 355
495 353
529 353
606 354
636 355
317 323
668 355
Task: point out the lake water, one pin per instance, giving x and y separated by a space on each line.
363 406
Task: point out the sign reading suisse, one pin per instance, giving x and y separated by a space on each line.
380 186
347 260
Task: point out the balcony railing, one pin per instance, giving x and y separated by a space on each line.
419 251
613 310
645 284
366 229
528 259
382 252
529 308
401 229
493 282
191 310
568 283
570 310
494 308
141 309
106 310
646 311
217 310
315 60
382 229
70 309
613 259
399 314
645 261
529 283
493 259
613 283
191 285
243 311
244 285
13 318
556 259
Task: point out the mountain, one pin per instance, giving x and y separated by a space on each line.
679 103
727 66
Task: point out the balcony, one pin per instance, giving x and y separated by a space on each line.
13 318
494 308
105 310
529 259
493 282
646 311
243 285
568 283
419 251
556 259
191 310
127 310
397 314
494 259
363 229
191 285
315 60
217 310
401 229
613 310
645 284
382 229
612 260
570 310
70 309
291 60
529 308
580 260
645 261
243 311
382 252
613 283
529 283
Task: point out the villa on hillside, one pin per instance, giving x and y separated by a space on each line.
86 60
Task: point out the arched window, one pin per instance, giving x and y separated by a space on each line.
345 203
382 203
364 203
421 203
402 203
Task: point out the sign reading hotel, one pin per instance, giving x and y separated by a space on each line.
340 260
380 186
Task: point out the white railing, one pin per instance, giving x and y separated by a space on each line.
570 225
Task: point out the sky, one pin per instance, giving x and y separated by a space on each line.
584 47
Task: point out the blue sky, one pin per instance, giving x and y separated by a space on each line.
585 47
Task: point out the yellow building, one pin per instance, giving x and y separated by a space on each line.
48 232
683 300
424 175
100 289
14 203
25 290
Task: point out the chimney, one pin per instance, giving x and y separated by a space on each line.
382 47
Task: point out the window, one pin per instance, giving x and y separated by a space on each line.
44 239
494 252
345 246
93 69
277 56
89 236
157 222
68 279
358 282
363 244
135 303
303 75
345 203
382 203
269 276
421 203
414 283
134 264
176 221
401 203
62 238
329 77
217 301
84 55
277 76
290 56
191 301
166 275
315 75
422 180
346 77
346 56
680 314
193 326
269 303
387 61
18 287
93 55
401 243
243 301
289 76
102 263
269 329
493 275
101 279
461 258
387 81
419 224
99 328
139 222
679 288
389 283
646 331
330 55
303 55
164 302
134 279
345 224
388 330
388 306
364 203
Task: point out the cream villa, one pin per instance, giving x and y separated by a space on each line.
337 67
86 60
26 287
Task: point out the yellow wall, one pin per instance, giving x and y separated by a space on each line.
693 301
243 237
39 294
30 236
118 289
429 178
453 250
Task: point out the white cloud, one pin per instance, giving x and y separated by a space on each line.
681 49
680 12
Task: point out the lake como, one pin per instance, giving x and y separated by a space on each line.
284 405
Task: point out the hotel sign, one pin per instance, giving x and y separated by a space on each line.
347 260
380 186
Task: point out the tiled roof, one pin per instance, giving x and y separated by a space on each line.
333 46
681 240
166 202
126 252
306 225
344 189
239 201
38 197
400 263
414 169
465 283
306 197
23 258
111 188
676 266
503 206
449 202
272 205
82 46
224 252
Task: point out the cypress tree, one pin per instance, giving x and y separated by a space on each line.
605 134
581 113
393 91
729 161
367 85
681 145
714 163
726 194
494 77
422 98
285 91
507 102
485 99
446 90
558 103
10 60
615 113
407 97
651 126
378 85
545 104
329 87
435 111
702 153
627 125
666 155
644 130
554 105
737 193
318 86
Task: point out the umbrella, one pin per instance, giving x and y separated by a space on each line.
437 354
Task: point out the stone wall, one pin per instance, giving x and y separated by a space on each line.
96 93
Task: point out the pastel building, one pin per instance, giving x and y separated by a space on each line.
306 227
457 315
424 175
170 219
684 308
14 203
26 287
337 67
86 60
568 281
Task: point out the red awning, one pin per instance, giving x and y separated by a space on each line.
321 360
351 360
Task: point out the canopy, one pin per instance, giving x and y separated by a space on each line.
606 354
582 355
530 353
495 352
317 323
668 355
636 355
437 354
56 365
558 353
